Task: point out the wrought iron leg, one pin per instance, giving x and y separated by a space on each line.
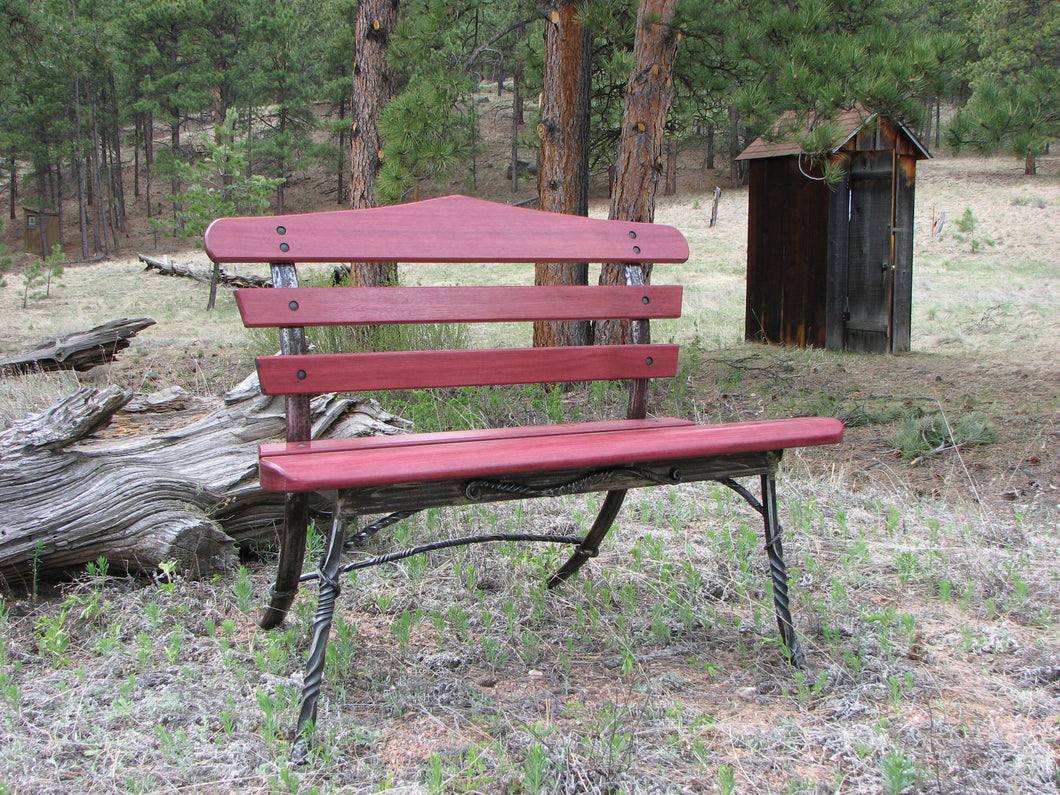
775 551
778 571
590 546
328 576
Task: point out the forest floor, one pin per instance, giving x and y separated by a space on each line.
926 586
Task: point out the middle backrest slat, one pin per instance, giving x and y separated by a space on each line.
327 306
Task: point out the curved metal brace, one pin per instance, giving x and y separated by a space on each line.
448 544
370 530
590 547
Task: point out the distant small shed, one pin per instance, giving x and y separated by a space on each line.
40 231
831 265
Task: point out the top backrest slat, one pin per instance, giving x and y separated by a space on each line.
447 229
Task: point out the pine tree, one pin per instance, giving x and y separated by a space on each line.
218 185
1015 104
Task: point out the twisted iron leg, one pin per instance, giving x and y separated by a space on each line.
778 571
329 593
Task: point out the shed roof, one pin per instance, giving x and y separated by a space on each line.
848 123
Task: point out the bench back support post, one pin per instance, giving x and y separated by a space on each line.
296 506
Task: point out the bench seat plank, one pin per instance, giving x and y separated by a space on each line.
355 443
350 372
333 306
496 457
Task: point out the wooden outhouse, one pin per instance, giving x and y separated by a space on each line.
830 264
40 231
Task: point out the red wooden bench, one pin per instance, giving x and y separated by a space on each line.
396 475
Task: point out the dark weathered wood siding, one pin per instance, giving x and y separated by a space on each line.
787 255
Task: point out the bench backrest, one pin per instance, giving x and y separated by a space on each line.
449 229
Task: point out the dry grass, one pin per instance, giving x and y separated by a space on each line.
925 591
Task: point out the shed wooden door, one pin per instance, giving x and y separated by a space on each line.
870 254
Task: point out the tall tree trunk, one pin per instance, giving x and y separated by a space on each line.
149 157
117 175
938 122
82 200
340 188
736 173
174 145
514 160
136 160
563 169
638 164
12 169
517 76
373 87
517 97
58 204
83 188
670 183
101 219
280 192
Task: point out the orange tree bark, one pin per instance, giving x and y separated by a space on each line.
563 170
373 87
638 164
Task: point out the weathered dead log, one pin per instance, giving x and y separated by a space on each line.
81 350
75 486
167 268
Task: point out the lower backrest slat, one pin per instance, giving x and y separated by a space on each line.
347 372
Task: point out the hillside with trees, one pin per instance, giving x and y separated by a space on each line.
106 101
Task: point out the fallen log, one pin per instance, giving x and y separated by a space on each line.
78 482
167 268
80 351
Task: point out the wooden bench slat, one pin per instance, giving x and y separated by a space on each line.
499 457
447 229
350 372
328 306
572 429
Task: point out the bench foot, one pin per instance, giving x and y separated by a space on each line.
328 575
292 557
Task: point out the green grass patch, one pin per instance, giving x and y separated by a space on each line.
935 432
